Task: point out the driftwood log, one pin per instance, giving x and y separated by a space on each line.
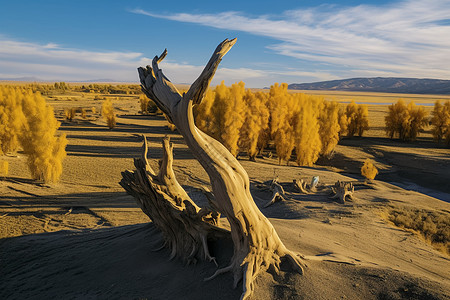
257 246
342 191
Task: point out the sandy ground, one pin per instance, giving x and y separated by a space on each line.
85 238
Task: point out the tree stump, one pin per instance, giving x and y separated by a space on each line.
257 246
277 193
300 186
342 191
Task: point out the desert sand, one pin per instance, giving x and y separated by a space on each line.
85 238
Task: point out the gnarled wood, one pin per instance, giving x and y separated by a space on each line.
185 226
277 193
342 191
257 246
300 186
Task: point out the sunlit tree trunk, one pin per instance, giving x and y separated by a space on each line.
257 246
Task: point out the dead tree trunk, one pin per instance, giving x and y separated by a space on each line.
257 246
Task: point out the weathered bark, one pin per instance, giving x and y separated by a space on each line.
277 193
300 186
185 226
257 246
342 191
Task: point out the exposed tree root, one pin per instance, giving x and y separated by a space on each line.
185 226
300 186
342 191
278 193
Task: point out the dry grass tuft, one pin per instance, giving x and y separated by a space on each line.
3 168
432 226
108 113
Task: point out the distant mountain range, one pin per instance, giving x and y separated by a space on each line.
380 84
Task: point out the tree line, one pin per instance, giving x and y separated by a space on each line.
292 123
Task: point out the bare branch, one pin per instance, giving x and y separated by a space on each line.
199 87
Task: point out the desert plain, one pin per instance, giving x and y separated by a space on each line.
85 238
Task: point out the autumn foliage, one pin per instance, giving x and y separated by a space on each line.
405 121
357 119
3 168
27 121
147 105
294 123
440 122
368 170
108 113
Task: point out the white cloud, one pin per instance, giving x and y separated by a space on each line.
408 38
55 63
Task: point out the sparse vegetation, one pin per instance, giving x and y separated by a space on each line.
69 113
368 170
147 105
108 113
83 113
433 226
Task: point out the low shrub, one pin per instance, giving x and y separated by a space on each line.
368 170
108 113
3 168
432 226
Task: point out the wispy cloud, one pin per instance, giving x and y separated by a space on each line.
408 38
54 62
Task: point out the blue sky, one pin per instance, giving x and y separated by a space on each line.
292 41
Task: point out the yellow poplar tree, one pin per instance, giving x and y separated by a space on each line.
45 150
329 126
395 119
307 139
358 119
203 113
440 121
256 122
362 119
282 112
416 122
405 121
229 114
11 118
343 121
